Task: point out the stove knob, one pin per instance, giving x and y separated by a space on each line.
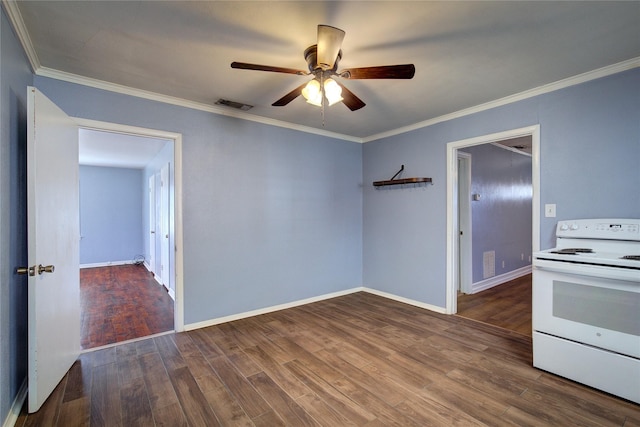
564 227
574 226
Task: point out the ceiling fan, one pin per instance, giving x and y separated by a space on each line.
322 60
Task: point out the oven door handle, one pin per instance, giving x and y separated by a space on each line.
604 272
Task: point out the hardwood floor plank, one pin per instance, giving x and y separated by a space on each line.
325 391
227 408
382 411
287 381
250 400
194 404
106 407
171 356
159 387
433 413
134 401
322 411
458 397
286 407
170 416
75 413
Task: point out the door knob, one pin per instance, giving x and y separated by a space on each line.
46 269
31 271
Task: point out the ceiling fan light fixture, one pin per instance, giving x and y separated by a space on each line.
312 93
332 91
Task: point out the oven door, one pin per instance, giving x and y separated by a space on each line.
584 304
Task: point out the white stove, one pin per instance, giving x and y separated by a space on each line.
586 305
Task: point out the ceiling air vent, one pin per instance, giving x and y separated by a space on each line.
233 104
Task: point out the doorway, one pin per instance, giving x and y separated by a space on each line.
169 175
454 260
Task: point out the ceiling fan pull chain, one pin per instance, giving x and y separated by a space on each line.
322 102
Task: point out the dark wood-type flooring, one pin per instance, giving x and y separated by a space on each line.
358 360
120 303
507 306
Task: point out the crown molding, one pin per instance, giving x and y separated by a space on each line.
153 96
561 84
13 13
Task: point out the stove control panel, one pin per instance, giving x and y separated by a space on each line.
613 229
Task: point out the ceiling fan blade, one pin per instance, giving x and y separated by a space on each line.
329 44
290 96
245 66
405 71
350 100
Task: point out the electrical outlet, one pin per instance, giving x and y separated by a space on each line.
550 210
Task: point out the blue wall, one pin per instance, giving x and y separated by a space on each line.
15 76
111 214
501 219
589 165
270 215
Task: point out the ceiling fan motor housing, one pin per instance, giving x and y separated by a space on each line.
311 56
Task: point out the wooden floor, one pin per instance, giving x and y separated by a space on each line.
507 306
357 360
120 303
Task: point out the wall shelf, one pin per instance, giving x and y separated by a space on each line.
401 181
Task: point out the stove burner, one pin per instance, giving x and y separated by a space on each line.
573 251
632 257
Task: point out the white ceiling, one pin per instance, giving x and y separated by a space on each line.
466 53
112 149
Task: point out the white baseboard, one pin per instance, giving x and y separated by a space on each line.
171 293
16 407
158 278
266 310
271 309
106 264
483 285
426 306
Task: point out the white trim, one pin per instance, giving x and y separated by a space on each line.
107 264
231 318
562 84
415 303
452 183
15 17
126 90
16 406
489 283
178 322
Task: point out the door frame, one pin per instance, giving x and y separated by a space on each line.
178 321
452 200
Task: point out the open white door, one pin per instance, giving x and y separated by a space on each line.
54 238
164 219
152 223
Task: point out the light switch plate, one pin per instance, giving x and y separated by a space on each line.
550 210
